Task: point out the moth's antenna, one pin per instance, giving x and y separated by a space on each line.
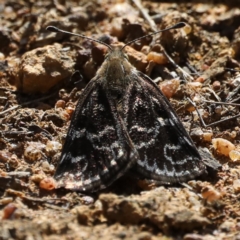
178 25
55 29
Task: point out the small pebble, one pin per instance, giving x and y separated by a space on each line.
169 87
236 185
210 194
222 146
6 200
69 110
60 104
207 136
33 151
194 85
8 211
200 79
5 156
234 155
64 115
37 177
53 146
216 85
46 167
48 184
187 29
158 58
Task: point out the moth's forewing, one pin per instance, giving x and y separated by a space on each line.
166 152
98 149
122 120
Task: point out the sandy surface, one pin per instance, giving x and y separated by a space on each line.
38 94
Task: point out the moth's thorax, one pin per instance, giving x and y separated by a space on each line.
116 70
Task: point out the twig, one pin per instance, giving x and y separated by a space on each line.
19 174
9 109
6 89
26 103
145 15
15 133
232 69
222 103
44 200
235 99
213 93
3 98
184 73
211 124
233 93
193 69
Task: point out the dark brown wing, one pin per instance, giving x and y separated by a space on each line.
98 149
167 154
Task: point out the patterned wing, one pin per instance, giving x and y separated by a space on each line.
167 154
98 149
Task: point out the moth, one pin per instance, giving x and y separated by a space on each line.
123 121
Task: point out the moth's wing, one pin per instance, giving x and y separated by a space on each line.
98 149
166 152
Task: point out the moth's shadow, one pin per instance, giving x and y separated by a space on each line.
125 185
128 184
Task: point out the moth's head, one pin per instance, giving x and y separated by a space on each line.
116 53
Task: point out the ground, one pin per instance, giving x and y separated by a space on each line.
42 76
